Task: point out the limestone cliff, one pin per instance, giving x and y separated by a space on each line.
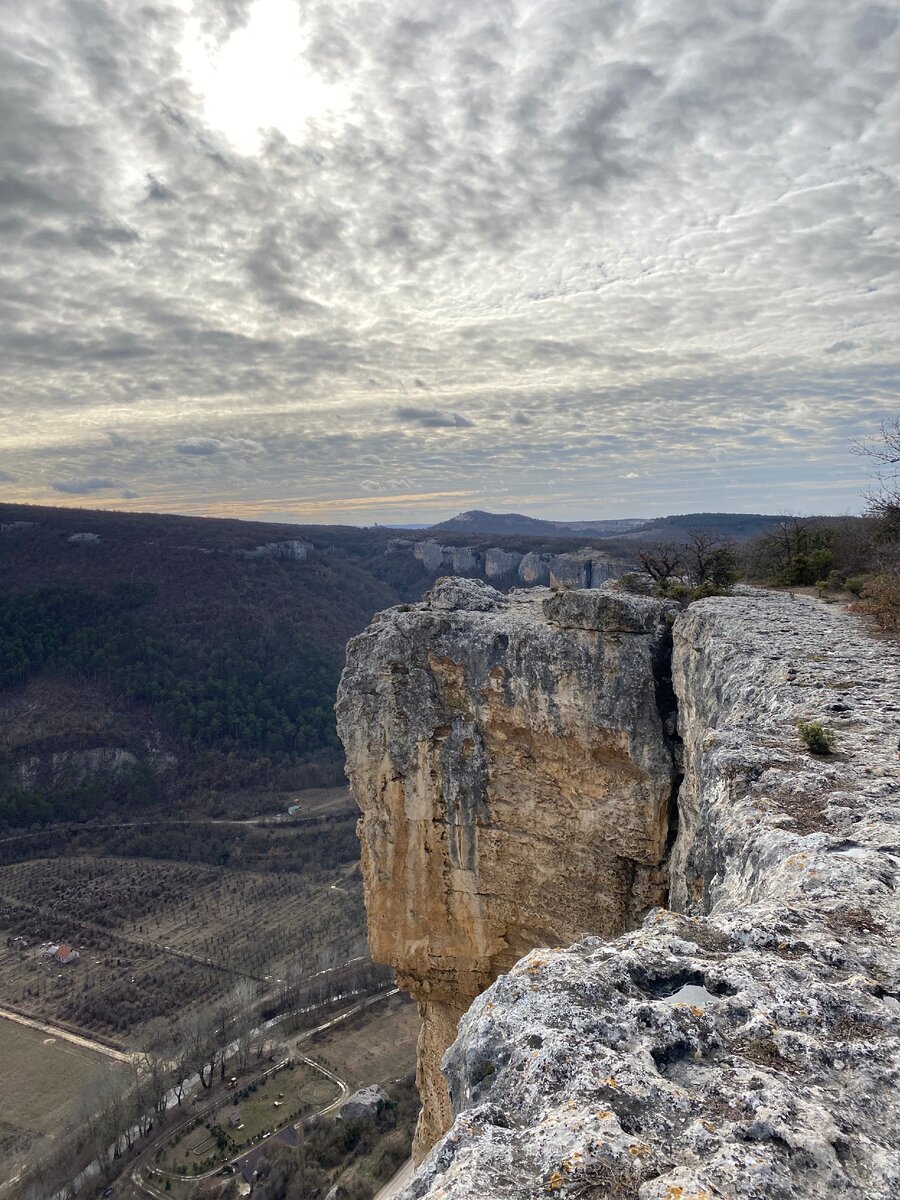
744 1041
511 759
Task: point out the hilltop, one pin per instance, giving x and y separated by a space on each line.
478 521
736 526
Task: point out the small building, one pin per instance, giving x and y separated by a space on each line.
65 954
234 1120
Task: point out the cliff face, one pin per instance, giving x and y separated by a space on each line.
584 568
511 759
743 1042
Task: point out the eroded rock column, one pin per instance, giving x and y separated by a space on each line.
512 763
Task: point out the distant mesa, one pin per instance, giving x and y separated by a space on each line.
478 521
729 525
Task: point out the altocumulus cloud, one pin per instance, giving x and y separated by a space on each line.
204 446
626 240
84 487
434 418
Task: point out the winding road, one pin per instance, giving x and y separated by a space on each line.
245 1163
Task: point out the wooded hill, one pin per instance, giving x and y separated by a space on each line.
151 660
160 657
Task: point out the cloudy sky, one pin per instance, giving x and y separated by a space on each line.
342 260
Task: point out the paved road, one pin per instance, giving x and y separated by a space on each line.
395 1186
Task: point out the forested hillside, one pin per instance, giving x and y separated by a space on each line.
148 659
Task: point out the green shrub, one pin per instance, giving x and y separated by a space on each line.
855 584
815 737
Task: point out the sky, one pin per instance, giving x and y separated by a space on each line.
348 261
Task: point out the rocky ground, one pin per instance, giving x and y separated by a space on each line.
744 1041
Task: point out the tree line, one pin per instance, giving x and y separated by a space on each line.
260 694
228 1037
856 555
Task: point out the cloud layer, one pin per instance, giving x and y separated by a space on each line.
608 259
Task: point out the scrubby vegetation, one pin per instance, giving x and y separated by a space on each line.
356 1157
702 565
855 555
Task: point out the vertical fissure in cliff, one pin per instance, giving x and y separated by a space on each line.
667 707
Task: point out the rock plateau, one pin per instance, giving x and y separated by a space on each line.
726 1022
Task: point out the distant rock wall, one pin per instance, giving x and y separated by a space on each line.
580 568
743 1042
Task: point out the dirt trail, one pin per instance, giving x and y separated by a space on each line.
395 1186
65 1035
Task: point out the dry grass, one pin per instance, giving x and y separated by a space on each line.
42 1078
374 1047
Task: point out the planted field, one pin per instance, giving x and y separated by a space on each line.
154 937
42 1079
374 1046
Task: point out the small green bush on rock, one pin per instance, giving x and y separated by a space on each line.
815 737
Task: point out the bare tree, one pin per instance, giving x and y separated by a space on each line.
883 451
242 997
157 1064
705 559
52 1175
661 562
200 1044
708 559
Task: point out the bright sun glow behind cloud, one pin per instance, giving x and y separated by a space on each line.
258 80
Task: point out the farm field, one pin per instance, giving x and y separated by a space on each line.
155 937
42 1079
374 1046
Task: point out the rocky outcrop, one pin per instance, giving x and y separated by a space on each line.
579 568
512 760
744 1041
295 550
365 1104
74 768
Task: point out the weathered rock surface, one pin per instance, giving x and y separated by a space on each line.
512 762
747 1044
365 1104
296 549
